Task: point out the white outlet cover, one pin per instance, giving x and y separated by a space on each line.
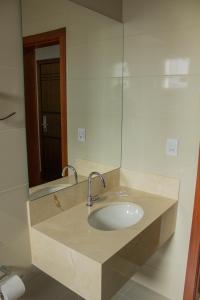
81 135
172 147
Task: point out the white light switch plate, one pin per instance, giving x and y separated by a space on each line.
81 135
172 147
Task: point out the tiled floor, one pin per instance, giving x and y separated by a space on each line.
134 291
42 287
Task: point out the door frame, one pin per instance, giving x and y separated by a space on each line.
30 43
193 265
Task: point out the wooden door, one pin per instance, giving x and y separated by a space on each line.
50 119
191 291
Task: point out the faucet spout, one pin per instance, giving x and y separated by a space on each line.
74 171
91 198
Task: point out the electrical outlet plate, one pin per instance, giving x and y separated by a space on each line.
172 147
81 135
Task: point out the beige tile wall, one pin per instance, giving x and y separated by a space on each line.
162 100
14 238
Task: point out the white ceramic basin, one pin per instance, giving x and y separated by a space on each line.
116 216
48 190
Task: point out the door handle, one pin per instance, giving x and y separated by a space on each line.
44 124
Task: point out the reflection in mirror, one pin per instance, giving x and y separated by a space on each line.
73 93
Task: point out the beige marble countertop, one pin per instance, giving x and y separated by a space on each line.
71 229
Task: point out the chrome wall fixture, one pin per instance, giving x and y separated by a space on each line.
4 271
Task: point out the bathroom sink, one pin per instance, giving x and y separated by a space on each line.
116 216
48 190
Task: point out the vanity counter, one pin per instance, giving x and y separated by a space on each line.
71 229
87 260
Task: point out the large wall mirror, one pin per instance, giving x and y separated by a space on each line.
73 61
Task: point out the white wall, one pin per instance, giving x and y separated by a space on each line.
162 100
14 239
94 75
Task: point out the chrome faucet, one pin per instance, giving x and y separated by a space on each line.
73 169
91 198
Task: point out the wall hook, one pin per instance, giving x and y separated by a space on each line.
8 116
5 272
